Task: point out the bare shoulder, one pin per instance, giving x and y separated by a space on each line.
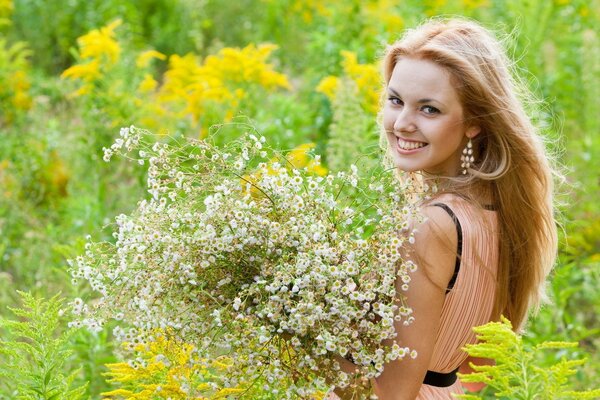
435 245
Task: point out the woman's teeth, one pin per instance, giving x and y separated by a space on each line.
404 145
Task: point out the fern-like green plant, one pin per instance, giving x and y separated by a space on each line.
515 375
33 352
353 136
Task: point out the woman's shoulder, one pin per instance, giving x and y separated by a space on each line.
435 244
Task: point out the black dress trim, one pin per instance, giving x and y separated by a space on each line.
459 244
439 379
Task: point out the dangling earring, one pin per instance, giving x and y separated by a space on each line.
467 157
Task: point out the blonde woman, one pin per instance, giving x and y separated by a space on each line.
454 115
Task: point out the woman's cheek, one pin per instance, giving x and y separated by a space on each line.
388 122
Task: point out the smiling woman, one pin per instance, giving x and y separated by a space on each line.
452 118
423 118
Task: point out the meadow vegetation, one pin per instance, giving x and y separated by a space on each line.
305 74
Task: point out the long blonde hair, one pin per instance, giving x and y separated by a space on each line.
511 156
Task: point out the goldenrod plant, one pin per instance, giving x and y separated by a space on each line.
33 352
516 374
366 78
192 91
15 98
167 368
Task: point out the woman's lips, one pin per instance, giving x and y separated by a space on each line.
409 146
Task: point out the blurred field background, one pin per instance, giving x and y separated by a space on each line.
305 73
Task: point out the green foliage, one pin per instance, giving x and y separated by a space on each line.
516 373
168 26
33 353
14 83
353 135
55 189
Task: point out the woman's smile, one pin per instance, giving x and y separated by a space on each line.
409 146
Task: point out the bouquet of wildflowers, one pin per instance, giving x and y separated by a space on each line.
240 254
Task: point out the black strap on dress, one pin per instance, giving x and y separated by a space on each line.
459 235
439 379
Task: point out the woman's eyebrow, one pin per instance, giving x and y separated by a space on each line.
421 101
393 92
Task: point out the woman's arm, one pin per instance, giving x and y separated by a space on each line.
465 368
434 252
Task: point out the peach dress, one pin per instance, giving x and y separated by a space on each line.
469 303
470 300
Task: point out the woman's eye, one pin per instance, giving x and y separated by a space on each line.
430 110
395 101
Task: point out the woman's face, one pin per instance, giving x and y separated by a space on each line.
423 119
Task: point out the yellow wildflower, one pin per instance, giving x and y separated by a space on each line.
385 13
100 44
298 157
316 168
328 86
222 79
366 77
20 86
143 60
82 91
226 392
87 72
309 8
167 364
247 65
434 6
179 75
148 84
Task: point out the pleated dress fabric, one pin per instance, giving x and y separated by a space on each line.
469 303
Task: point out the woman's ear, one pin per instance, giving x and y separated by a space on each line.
472 131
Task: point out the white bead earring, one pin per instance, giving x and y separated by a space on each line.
467 157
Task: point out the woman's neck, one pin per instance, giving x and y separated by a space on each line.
478 191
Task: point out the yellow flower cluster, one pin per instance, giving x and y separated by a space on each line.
167 368
367 79
221 79
204 92
98 51
143 60
309 8
299 158
385 14
19 82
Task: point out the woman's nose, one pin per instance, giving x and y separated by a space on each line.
404 121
